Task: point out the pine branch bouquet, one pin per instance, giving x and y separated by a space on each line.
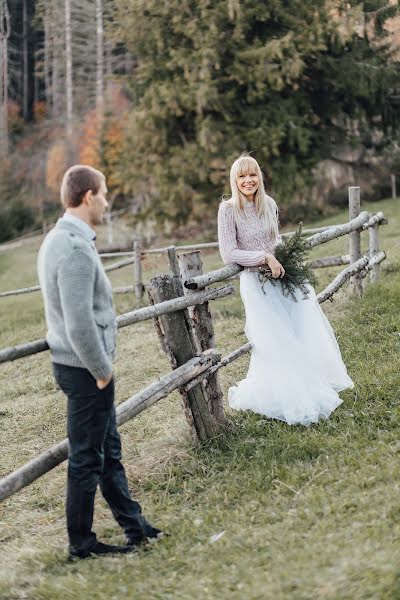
292 254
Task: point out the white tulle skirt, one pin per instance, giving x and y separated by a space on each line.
296 369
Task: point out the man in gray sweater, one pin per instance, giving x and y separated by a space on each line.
81 335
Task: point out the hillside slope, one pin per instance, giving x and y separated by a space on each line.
266 512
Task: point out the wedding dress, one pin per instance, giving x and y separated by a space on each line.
296 369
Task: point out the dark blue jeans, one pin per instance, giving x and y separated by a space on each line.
94 459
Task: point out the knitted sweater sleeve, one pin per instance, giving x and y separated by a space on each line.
76 279
227 239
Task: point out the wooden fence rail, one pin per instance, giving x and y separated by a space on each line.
135 257
200 246
27 290
135 316
362 222
186 376
132 407
329 261
36 288
362 266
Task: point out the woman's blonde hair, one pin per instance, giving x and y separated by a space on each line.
265 205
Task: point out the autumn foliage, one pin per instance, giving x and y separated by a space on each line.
56 165
102 141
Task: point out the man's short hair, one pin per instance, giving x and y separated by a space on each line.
78 180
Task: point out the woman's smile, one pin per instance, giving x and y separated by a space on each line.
248 184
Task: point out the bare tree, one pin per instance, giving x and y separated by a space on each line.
50 57
25 76
75 55
68 59
100 58
47 46
5 31
109 67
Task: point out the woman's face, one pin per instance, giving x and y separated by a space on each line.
248 184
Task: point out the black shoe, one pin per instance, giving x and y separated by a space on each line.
100 549
153 533
150 533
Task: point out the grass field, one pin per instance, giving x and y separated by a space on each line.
266 511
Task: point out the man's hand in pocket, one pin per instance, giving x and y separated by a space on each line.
102 383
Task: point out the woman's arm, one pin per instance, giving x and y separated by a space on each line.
229 251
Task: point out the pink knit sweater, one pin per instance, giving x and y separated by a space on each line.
244 243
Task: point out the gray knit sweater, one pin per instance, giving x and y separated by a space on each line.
77 300
243 242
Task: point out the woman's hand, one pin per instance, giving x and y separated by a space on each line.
276 268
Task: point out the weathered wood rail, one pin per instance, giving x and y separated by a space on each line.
184 325
36 288
135 257
135 316
361 267
132 407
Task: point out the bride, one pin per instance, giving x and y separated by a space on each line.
296 369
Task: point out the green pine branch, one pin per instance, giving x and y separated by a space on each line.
292 254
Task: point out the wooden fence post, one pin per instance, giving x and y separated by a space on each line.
180 343
374 249
173 261
175 270
138 283
191 266
355 238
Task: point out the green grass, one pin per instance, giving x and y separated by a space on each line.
307 513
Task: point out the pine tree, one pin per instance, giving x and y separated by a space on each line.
284 79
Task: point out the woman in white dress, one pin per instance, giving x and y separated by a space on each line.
296 369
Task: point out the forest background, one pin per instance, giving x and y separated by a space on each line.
161 96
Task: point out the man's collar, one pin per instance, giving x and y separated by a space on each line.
85 229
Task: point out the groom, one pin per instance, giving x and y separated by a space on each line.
81 336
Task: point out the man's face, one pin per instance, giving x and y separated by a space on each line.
97 205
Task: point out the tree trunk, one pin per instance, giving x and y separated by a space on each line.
4 35
25 69
100 58
68 75
55 76
109 67
5 91
3 141
47 42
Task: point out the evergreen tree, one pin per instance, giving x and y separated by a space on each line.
285 79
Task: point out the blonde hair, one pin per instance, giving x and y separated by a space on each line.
265 205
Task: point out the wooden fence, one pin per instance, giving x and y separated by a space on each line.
179 308
135 257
